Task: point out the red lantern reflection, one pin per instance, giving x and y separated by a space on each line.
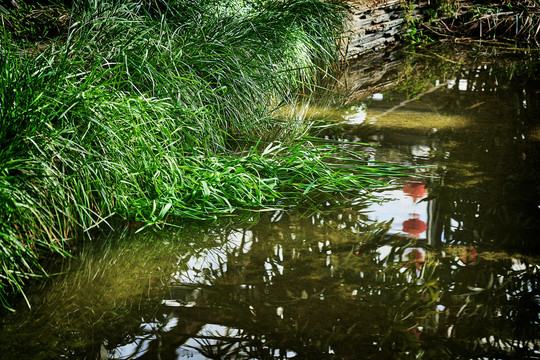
414 226
415 259
415 190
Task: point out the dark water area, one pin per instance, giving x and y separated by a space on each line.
443 266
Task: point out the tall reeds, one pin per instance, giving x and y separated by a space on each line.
130 114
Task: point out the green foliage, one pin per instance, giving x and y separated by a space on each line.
444 8
489 20
414 33
28 23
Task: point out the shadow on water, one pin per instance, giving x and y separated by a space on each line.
446 268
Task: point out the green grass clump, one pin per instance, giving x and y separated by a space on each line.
130 114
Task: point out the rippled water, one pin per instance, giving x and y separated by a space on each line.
446 267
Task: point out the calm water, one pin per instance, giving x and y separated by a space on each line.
446 268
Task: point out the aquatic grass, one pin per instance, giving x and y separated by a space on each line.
202 186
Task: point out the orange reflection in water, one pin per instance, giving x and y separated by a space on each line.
468 255
415 190
414 225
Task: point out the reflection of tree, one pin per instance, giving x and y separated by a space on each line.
286 295
487 190
363 306
327 307
491 311
486 199
501 205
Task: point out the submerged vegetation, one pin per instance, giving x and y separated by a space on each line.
135 111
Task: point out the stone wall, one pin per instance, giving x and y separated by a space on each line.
376 25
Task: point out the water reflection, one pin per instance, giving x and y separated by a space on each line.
415 190
476 123
279 287
414 225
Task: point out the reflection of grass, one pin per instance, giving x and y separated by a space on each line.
422 71
312 112
387 308
333 288
354 301
106 289
502 255
460 252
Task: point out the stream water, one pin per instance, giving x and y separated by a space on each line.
446 267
